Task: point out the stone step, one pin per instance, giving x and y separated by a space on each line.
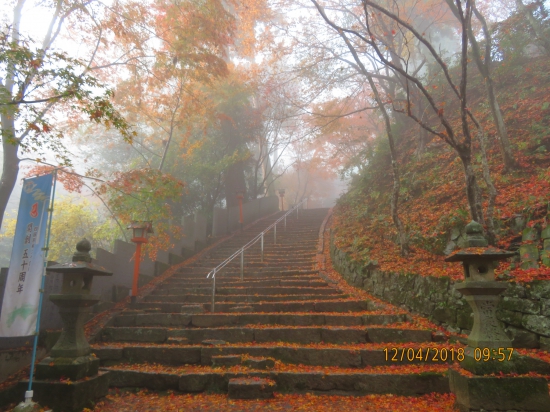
343 356
250 388
234 299
302 335
271 273
207 320
235 276
324 305
275 290
402 384
170 285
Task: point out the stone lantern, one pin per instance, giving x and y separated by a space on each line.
71 357
481 291
489 349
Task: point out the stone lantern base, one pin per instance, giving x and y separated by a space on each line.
69 397
68 368
499 393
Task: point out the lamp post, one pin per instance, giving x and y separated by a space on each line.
282 195
240 197
141 231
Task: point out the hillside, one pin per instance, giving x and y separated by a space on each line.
433 203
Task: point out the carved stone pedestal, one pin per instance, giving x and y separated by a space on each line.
489 349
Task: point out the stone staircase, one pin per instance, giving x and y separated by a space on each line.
284 327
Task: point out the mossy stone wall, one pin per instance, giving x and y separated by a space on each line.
523 309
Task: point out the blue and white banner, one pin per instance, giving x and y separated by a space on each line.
22 292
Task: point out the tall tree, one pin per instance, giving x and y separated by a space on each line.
36 80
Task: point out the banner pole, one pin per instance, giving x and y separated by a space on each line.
29 392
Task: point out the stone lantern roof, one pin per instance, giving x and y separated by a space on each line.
81 264
478 247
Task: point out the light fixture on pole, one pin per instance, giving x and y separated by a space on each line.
282 195
141 231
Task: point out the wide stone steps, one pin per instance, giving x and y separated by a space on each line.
274 290
301 334
236 299
210 320
281 323
345 381
325 305
238 284
344 356
202 272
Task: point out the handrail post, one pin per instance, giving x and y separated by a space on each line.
262 246
213 307
242 264
275 234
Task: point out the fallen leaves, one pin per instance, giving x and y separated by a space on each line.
145 401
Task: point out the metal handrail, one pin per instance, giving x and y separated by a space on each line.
240 252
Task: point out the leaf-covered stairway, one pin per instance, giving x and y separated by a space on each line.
284 327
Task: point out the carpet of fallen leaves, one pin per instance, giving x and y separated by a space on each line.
144 401
410 368
433 200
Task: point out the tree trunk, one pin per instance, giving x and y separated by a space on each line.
473 192
234 179
483 66
490 187
10 167
505 147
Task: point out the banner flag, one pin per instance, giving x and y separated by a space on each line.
21 294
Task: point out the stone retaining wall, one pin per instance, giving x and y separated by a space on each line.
524 310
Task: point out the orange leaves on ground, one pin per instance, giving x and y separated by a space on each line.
390 369
118 401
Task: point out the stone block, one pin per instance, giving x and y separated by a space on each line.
502 393
73 397
545 310
189 309
540 289
343 320
465 317
381 335
194 382
342 335
544 343
105 353
120 292
509 317
251 388
529 254
71 368
303 335
515 290
212 321
537 324
522 338
163 319
520 305
259 363
545 233
530 233
163 355
123 334
445 315
226 360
